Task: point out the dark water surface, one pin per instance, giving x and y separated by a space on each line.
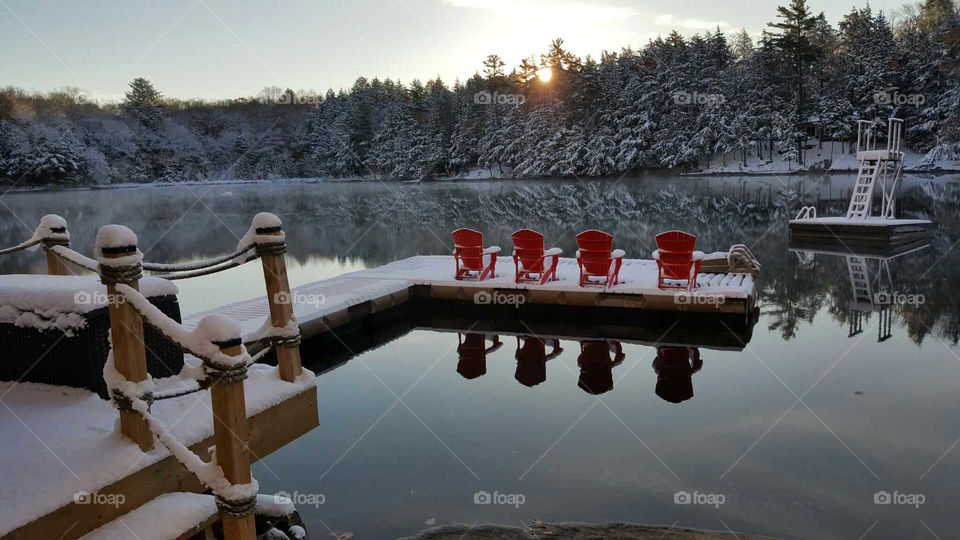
832 401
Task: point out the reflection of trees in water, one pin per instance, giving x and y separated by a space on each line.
379 224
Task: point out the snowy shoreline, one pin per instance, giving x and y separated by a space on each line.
451 179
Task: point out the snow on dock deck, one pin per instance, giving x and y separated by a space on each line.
61 441
323 305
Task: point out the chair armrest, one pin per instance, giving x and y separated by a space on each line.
617 254
491 249
698 255
552 252
655 254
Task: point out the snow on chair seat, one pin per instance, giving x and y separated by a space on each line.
533 264
599 262
473 261
677 263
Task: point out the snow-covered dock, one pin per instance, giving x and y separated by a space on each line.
70 471
327 304
880 169
864 231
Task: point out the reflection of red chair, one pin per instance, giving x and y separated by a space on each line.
675 367
472 260
598 259
596 366
473 351
677 262
532 359
530 258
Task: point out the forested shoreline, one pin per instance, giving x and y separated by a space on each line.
678 103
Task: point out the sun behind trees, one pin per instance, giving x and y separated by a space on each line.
681 103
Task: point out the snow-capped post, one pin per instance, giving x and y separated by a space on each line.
227 372
52 231
121 264
267 232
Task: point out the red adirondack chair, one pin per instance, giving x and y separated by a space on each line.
677 263
474 262
534 264
598 259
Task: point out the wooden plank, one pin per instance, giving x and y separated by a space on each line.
268 431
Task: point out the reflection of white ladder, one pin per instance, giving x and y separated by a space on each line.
876 164
859 279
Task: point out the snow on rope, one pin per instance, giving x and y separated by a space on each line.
52 230
117 255
75 258
204 341
236 499
266 233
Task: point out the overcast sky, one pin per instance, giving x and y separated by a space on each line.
231 48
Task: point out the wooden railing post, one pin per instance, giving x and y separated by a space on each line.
120 263
230 431
278 290
54 233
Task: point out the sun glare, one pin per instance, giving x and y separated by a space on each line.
545 74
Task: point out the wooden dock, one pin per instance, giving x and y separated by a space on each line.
324 305
91 461
871 231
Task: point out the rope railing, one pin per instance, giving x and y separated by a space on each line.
21 246
217 342
77 259
198 265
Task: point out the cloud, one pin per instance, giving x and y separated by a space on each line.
555 10
679 23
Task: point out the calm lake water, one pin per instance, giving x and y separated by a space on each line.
831 403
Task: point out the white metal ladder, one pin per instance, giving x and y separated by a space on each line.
876 164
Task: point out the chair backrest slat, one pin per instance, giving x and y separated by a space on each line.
595 248
468 245
528 245
675 250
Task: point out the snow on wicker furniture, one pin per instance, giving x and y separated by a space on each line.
677 263
54 330
472 260
596 259
528 254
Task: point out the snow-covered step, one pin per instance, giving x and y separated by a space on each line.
168 517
